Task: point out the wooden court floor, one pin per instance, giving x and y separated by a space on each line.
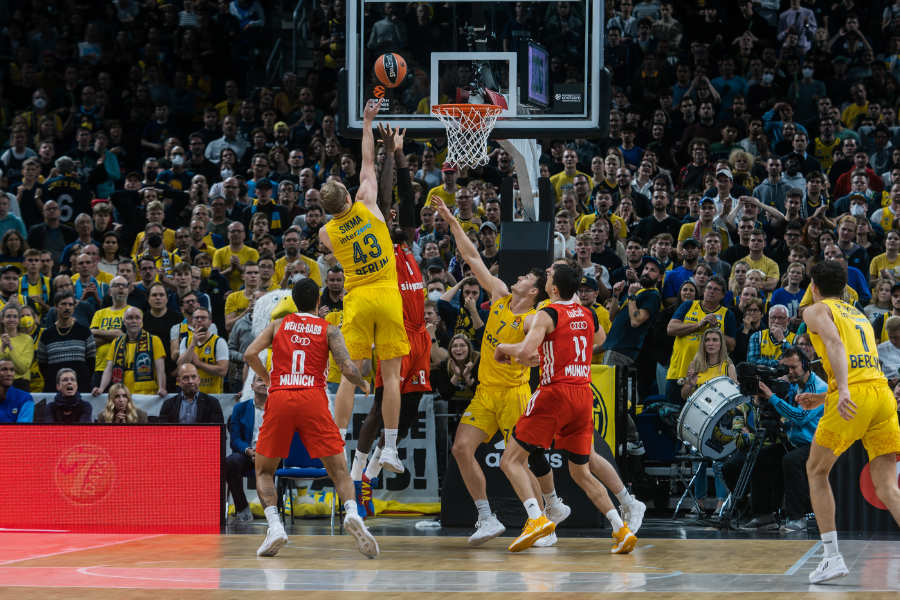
121 567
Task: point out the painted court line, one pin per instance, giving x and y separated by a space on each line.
809 554
70 550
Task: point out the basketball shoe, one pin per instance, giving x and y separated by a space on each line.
534 530
360 502
546 541
633 515
390 460
365 541
275 539
557 511
831 567
486 529
624 541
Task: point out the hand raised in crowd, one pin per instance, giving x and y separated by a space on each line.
201 336
617 288
633 288
324 310
5 344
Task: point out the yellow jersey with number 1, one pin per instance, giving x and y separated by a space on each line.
362 244
503 327
859 342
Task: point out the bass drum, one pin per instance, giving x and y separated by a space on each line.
706 421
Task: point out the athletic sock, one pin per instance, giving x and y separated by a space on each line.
532 508
615 520
484 509
549 498
390 438
350 507
359 461
624 497
272 517
374 467
830 544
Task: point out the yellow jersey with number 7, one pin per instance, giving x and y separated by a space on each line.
503 327
362 244
859 342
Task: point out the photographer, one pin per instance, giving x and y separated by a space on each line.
799 426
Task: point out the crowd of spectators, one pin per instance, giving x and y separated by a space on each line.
151 196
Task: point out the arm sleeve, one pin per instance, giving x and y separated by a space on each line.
730 324
681 311
551 312
221 349
407 213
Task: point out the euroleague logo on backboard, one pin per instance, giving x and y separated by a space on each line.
867 487
84 473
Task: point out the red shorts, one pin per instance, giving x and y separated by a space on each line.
416 366
302 411
562 411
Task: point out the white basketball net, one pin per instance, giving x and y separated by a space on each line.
468 127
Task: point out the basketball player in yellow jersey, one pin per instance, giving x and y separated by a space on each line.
373 309
503 391
858 405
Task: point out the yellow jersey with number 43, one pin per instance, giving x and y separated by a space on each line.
362 244
859 341
503 327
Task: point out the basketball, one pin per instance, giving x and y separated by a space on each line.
390 69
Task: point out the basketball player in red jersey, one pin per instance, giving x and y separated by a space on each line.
416 366
560 339
297 403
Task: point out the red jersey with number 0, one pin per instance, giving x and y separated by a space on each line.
412 288
566 352
299 353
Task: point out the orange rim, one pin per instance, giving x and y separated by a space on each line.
482 109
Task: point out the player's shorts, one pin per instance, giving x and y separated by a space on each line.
495 408
560 411
302 411
416 366
373 315
875 422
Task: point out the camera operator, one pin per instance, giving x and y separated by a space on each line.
799 426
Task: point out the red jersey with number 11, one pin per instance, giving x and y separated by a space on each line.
299 353
566 351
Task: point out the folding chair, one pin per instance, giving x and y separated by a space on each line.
299 466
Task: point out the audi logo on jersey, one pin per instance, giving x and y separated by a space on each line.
300 340
578 325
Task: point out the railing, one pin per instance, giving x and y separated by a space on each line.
300 21
274 62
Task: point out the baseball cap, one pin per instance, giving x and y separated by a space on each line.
706 199
264 184
651 259
725 172
489 225
589 282
448 168
9 268
690 242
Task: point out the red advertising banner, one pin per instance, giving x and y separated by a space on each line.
112 478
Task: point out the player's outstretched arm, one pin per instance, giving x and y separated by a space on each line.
342 358
386 177
819 321
526 351
368 181
262 341
494 285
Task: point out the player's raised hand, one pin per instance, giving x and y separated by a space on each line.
373 105
439 206
387 136
399 136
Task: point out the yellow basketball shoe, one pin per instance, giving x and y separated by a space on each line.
534 530
624 541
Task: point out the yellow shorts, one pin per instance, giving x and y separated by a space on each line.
875 422
494 408
373 316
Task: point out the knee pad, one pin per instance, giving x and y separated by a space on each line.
538 464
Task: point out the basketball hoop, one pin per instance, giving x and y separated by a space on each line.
468 127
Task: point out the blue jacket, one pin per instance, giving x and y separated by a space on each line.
800 423
240 426
17 407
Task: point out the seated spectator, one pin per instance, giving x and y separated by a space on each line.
243 431
120 408
16 406
466 317
16 346
889 351
767 346
136 358
800 425
456 377
190 405
67 406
